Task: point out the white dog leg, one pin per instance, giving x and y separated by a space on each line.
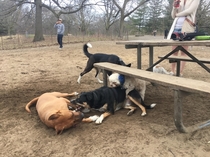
78 80
97 77
100 119
94 118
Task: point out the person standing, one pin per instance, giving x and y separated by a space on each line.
154 32
60 31
184 12
165 33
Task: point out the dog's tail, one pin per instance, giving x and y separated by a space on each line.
85 49
150 106
136 98
27 107
121 62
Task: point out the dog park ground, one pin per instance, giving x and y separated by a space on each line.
27 73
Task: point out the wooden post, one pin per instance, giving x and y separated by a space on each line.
151 56
178 111
105 77
139 57
2 45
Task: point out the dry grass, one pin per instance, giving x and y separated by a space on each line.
23 41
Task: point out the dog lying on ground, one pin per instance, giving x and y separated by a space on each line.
53 111
159 69
98 98
96 58
113 98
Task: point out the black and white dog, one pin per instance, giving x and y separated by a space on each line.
114 99
96 58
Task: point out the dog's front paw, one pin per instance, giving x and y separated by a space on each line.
143 114
100 119
78 80
75 93
94 118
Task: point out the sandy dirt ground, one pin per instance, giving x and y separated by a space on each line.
28 73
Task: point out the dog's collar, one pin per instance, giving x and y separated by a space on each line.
121 79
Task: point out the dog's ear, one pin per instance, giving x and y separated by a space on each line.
55 115
128 65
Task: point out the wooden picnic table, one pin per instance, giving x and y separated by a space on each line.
139 44
181 86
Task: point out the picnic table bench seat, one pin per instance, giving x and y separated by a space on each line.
178 59
181 87
185 58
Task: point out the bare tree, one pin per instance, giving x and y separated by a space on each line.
8 17
57 7
82 20
155 16
126 9
38 21
110 13
203 16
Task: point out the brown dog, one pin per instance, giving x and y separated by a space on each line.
53 111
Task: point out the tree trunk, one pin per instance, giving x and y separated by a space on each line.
38 23
121 27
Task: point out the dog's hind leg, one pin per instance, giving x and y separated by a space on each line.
87 69
97 75
129 106
138 104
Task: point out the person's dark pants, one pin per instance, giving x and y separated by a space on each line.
60 40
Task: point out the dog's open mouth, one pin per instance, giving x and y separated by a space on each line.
74 106
77 108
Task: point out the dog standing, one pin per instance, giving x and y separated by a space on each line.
135 91
96 58
159 69
129 83
53 111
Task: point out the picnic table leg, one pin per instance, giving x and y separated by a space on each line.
105 77
139 57
166 56
195 59
178 119
151 56
178 111
178 65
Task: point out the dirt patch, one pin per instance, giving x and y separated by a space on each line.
27 73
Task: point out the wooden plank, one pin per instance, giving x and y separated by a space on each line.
178 83
204 60
165 42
